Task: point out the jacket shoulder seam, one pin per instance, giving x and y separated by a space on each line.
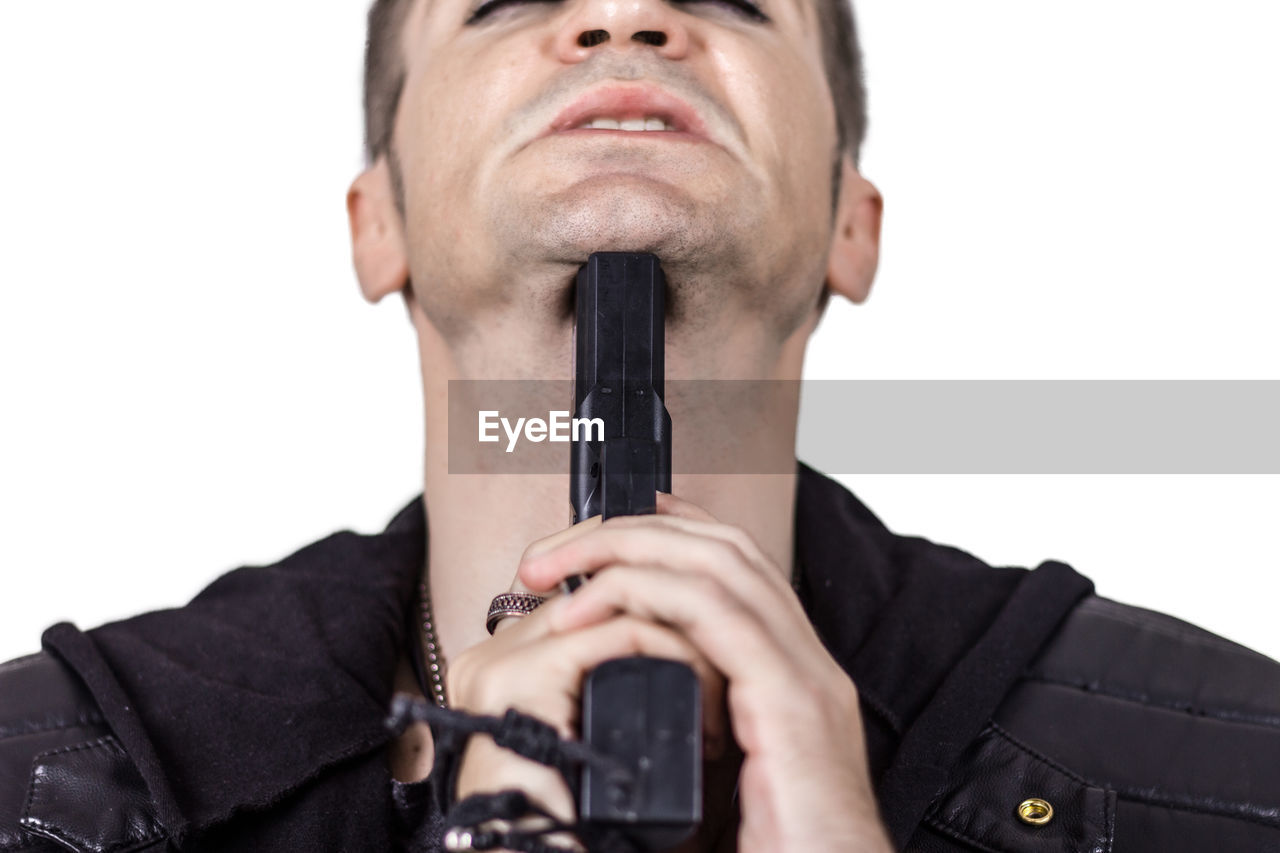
1248 812
84 719
1141 698
1153 621
17 662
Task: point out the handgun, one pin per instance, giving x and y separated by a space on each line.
643 712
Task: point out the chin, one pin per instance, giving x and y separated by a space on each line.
632 213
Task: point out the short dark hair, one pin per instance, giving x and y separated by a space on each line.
384 74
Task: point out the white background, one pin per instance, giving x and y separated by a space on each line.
190 381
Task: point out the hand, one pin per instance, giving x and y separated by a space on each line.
804 783
537 671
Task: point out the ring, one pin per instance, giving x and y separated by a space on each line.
510 604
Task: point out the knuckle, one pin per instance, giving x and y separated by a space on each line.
612 581
812 692
634 634
715 593
621 576
745 543
833 693
458 675
727 553
462 663
474 679
531 550
848 698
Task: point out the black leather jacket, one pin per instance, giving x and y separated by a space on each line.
1142 732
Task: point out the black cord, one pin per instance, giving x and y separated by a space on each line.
528 737
525 735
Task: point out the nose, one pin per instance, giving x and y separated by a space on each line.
595 25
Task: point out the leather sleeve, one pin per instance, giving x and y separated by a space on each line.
1143 732
65 783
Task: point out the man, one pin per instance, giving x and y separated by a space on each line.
905 697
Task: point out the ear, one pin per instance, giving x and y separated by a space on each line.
377 233
855 241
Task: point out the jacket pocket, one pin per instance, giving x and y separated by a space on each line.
89 797
1006 798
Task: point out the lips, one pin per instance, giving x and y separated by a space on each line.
624 102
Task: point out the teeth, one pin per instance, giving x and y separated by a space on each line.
650 123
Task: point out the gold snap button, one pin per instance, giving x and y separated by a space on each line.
1035 811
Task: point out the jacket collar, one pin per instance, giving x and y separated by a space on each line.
266 678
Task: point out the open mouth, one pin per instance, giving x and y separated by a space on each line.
643 112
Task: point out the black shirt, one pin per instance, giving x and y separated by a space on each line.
255 713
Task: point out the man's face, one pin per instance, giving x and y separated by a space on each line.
501 209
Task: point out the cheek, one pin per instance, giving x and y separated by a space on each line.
805 127
437 148
785 111
454 123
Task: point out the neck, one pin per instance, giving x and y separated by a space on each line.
479 525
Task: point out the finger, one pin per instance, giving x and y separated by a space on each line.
661 544
669 504
518 586
474 677
626 541
736 536
506 623
546 543
517 631
733 636
778 578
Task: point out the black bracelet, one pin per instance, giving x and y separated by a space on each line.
526 736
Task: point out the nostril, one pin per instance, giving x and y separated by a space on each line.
651 37
593 37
